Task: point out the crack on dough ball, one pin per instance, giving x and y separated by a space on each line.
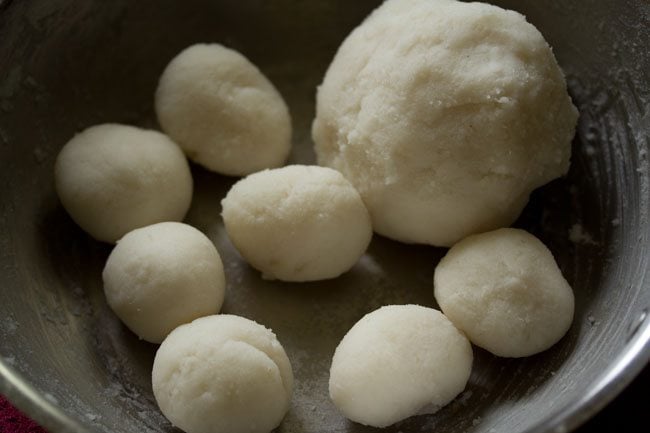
396 362
222 374
505 291
297 223
223 112
445 116
114 178
161 276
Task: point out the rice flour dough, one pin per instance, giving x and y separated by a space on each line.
222 111
445 115
114 178
505 291
161 276
396 362
297 223
222 374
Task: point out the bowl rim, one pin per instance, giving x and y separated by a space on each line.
624 368
27 399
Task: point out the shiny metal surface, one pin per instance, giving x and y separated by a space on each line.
67 361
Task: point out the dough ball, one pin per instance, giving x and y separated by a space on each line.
222 374
115 178
444 115
297 223
162 276
505 291
222 111
396 362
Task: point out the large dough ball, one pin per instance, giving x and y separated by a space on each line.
444 115
162 276
505 291
297 223
222 111
222 374
115 178
396 362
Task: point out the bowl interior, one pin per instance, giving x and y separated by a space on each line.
68 361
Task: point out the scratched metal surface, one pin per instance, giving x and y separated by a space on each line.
68 362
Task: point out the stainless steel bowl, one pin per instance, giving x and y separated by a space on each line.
67 361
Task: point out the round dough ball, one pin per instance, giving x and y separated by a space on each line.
297 223
505 291
162 276
115 178
396 362
444 115
222 111
222 374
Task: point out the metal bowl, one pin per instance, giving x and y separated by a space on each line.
68 362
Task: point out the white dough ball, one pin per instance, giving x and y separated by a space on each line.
161 276
115 178
222 374
297 223
222 111
445 116
396 362
505 291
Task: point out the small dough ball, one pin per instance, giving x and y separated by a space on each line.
162 276
396 362
297 223
445 116
222 374
505 291
222 111
115 178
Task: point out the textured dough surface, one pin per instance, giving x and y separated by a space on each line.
222 374
297 223
505 291
445 116
222 111
115 178
396 362
161 276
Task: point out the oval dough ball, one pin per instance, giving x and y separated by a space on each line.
396 362
444 115
297 223
222 374
505 291
115 178
162 276
222 111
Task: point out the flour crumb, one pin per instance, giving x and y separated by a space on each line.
578 235
30 82
9 326
590 150
40 155
49 397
